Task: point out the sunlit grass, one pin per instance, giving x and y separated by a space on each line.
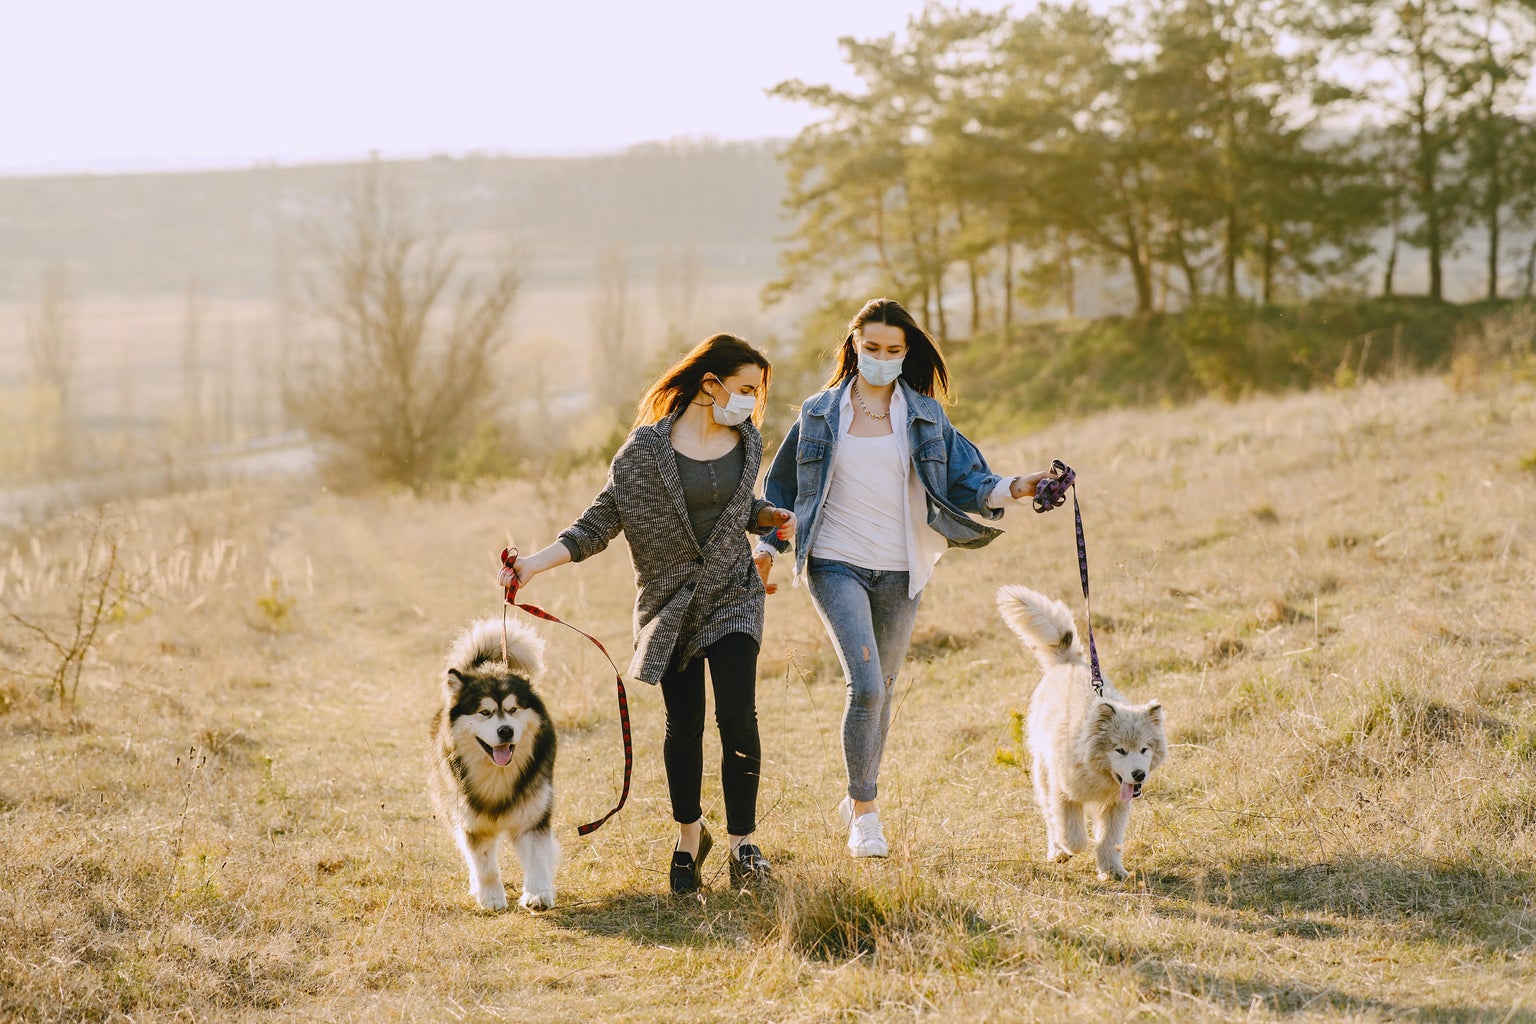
1331 593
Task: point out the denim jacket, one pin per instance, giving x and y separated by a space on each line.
953 473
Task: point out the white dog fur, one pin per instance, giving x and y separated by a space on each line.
1091 754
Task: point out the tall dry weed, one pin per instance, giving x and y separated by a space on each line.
1494 348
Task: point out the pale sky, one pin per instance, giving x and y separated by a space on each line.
126 85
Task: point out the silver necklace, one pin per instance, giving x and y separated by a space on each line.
882 416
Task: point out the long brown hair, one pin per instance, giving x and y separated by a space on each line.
923 368
718 354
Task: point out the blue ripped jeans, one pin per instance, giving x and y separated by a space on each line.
869 615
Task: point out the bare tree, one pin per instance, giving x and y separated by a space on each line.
677 292
127 415
224 388
614 329
415 339
53 342
285 318
260 373
192 357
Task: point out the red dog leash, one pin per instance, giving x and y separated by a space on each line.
508 559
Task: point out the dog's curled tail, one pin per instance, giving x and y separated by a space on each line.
480 644
1045 626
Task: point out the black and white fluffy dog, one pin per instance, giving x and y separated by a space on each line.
493 761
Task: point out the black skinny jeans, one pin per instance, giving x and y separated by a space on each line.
733 671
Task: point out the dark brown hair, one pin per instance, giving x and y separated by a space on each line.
718 354
923 368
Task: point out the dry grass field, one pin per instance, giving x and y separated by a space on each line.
1334 594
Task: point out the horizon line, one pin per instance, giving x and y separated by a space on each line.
145 166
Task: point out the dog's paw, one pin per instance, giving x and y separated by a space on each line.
1115 872
492 899
537 900
1056 855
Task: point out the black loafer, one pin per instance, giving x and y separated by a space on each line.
687 875
749 866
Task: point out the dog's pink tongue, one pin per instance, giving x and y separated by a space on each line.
1126 792
502 755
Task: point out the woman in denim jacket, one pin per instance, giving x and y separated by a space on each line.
875 507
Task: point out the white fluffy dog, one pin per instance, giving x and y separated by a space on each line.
1090 752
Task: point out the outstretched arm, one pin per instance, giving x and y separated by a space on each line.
1018 488
588 535
598 525
527 567
973 487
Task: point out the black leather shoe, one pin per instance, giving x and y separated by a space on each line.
687 875
749 866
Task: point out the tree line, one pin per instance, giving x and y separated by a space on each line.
1245 150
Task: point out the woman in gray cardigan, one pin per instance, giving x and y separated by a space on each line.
681 489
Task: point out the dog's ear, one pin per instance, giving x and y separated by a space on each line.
1155 711
1101 718
454 680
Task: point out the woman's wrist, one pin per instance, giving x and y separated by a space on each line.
1002 493
545 559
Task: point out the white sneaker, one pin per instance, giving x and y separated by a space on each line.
865 837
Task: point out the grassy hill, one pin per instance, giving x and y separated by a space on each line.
1331 592
1044 370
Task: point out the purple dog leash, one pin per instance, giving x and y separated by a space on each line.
1050 493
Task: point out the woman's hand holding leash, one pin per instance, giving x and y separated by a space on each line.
523 569
1024 486
1051 487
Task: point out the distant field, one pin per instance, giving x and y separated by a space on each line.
1333 593
144 337
130 378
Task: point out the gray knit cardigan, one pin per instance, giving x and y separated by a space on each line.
689 594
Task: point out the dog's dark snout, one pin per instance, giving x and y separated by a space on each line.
1139 775
505 734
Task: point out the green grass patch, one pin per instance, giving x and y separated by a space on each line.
1043 370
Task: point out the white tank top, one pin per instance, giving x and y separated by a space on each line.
864 515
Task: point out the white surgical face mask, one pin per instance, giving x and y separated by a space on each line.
736 409
879 372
